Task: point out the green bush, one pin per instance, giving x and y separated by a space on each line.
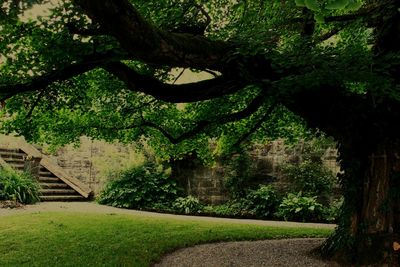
18 186
188 205
311 178
263 201
143 187
300 208
333 211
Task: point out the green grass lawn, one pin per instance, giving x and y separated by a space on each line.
72 239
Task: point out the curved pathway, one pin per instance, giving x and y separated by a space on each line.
268 253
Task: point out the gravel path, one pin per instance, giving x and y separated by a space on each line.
271 253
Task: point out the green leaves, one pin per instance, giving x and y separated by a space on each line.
300 3
141 187
322 6
337 4
19 187
296 207
188 205
354 5
263 201
312 5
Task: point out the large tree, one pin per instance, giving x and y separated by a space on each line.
105 69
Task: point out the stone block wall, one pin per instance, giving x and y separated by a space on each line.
208 183
93 161
205 183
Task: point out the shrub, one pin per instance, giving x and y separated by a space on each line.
140 187
263 201
300 208
311 178
187 205
333 211
18 186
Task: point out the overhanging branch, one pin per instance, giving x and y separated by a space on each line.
39 83
190 92
202 125
149 44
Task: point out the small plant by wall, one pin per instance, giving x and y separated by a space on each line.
295 207
263 202
187 205
18 186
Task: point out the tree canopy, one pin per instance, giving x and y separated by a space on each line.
98 68
107 69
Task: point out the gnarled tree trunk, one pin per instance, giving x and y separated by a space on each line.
368 233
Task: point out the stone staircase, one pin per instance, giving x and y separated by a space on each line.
54 185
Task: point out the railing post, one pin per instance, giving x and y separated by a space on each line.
32 165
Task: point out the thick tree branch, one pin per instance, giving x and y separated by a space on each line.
89 63
151 45
73 29
202 125
191 92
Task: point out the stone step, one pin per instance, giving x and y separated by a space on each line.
51 192
53 185
45 174
10 150
49 180
12 156
14 161
16 164
62 198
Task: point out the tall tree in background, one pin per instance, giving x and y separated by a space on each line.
103 69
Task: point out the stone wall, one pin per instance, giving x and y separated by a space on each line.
93 161
207 183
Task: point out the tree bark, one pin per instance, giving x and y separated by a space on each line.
369 154
368 233
146 43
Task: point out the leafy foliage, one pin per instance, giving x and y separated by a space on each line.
300 208
18 186
332 212
140 187
311 178
263 201
188 205
330 64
